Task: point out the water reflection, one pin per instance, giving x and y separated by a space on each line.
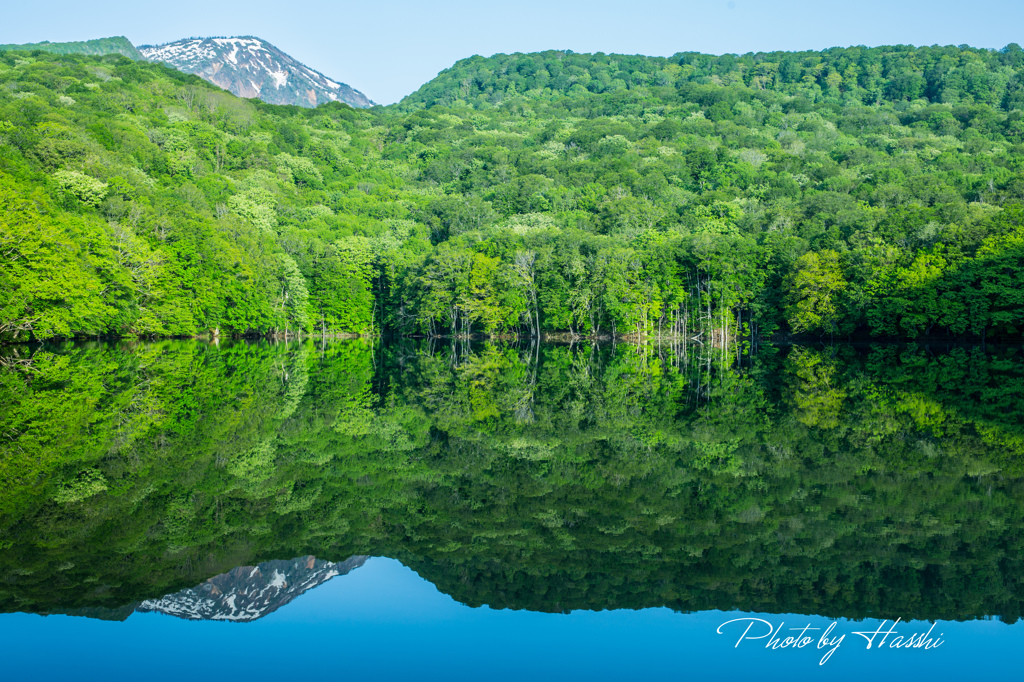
247 593
875 482
384 622
243 594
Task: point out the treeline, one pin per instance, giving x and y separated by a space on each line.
881 484
861 191
855 75
97 47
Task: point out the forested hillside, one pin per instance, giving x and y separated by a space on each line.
100 46
871 191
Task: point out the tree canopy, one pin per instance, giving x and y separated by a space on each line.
849 191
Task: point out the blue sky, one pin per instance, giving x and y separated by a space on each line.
388 49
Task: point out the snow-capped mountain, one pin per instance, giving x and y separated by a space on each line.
251 67
250 592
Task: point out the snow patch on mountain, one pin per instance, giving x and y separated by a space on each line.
278 580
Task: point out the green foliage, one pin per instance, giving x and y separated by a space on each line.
53 268
100 46
88 483
852 191
294 295
816 286
89 191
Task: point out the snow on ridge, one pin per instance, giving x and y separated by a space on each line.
191 51
238 42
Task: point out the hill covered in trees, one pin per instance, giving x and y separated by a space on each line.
860 190
100 46
855 75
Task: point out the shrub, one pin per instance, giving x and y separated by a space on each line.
88 190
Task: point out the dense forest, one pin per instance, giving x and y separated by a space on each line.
851 191
877 482
98 47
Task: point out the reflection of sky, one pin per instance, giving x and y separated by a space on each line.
385 622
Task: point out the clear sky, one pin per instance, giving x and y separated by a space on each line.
388 49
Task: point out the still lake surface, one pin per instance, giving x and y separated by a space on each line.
470 511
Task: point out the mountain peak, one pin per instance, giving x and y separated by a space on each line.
251 67
247 593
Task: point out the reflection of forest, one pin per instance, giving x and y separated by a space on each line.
870 482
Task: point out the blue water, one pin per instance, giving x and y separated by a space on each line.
385 622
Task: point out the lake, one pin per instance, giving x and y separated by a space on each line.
454 510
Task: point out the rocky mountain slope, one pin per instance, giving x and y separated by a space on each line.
251 67
250 592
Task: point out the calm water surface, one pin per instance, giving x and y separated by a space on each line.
461 512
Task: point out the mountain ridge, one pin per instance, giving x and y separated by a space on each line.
248 593
883 73
96 47
243 594
251 67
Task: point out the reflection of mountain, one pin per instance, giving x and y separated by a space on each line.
883 484
247 593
